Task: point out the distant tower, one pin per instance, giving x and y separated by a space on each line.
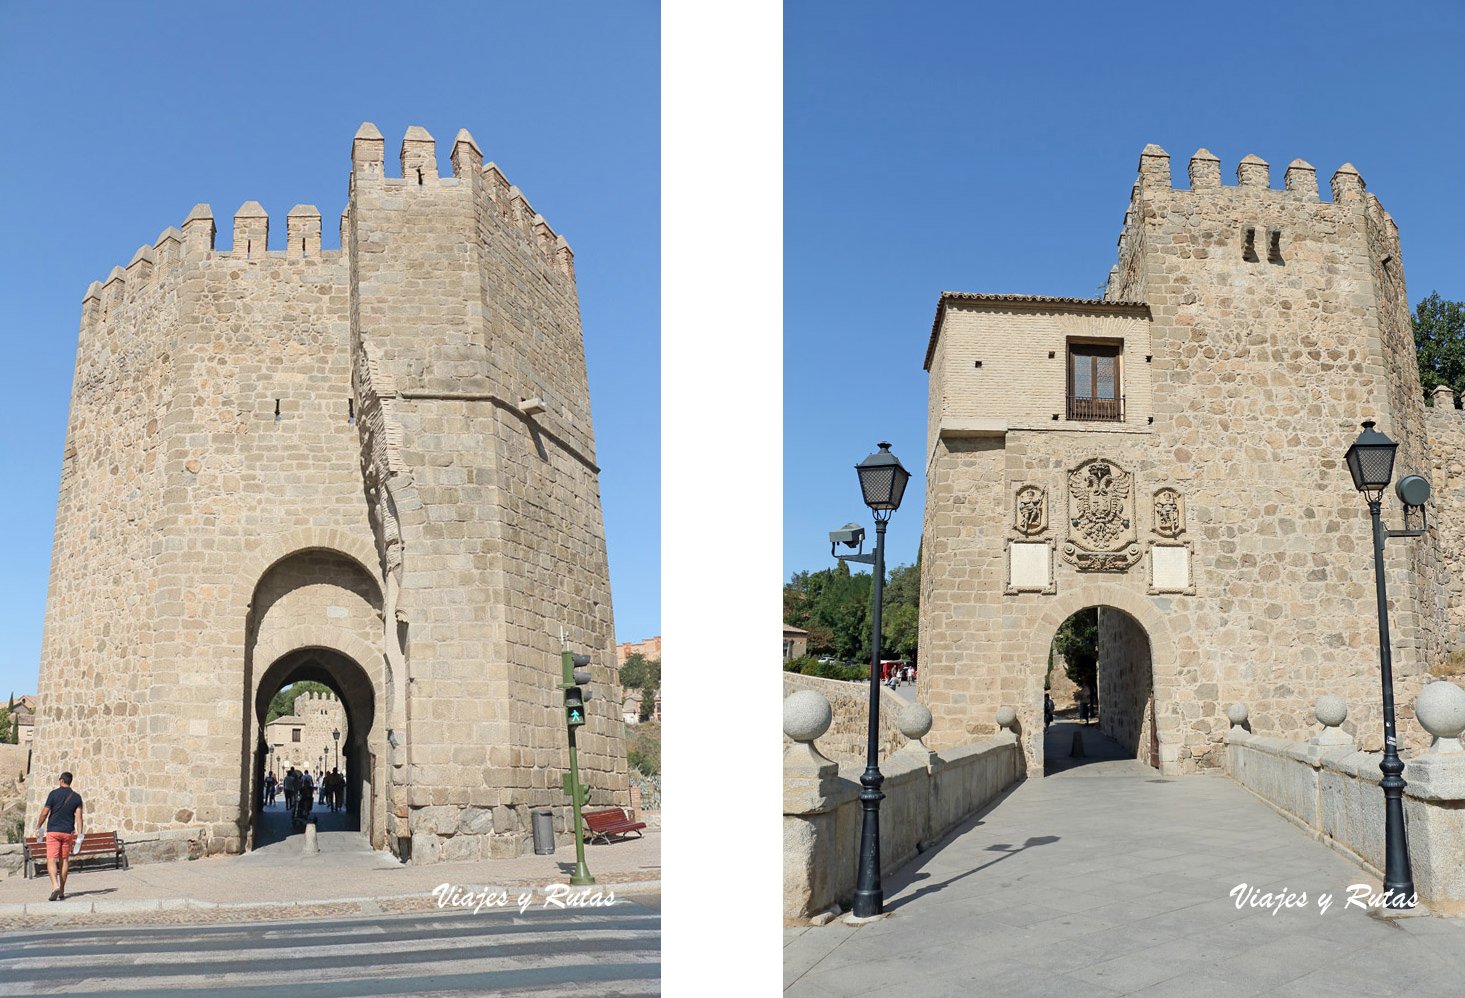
373 467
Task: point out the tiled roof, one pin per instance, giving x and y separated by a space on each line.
959 296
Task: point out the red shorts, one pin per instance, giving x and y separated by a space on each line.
59 844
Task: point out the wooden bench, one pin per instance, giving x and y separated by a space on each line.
613 821
96 847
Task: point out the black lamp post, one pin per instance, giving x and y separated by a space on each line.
882 484
336 734
1371 463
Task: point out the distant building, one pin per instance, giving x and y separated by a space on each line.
795 642
650 650
303 738
24 713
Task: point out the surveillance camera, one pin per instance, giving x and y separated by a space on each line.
851 534
1412 490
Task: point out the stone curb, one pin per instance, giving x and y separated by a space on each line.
193 904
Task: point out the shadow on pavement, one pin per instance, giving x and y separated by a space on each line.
1002 847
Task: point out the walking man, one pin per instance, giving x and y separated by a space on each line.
61 819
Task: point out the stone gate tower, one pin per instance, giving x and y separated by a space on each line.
373 467
1173 454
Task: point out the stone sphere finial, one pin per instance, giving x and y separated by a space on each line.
806 715
1006 718
914 721
1237 714
1440 708
1331 711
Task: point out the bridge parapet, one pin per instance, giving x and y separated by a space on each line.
926 795
1329 788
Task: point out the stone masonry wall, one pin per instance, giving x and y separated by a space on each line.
1446 428
1126 683
502 537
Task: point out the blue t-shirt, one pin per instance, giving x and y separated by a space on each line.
64 803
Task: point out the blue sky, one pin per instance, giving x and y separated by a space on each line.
934 147
119 117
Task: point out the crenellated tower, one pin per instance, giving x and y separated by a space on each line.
1201 410
373 467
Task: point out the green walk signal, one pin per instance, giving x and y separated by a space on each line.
574 707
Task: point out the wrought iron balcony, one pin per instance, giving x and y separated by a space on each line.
1096 410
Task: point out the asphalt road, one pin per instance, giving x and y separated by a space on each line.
544 951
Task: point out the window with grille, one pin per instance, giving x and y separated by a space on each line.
1094 392
295 734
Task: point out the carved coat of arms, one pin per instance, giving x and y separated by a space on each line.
1032 510
1101 517
1169 513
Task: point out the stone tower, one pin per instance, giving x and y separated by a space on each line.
1173 454
373 467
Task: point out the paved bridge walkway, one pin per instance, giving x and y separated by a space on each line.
1107 879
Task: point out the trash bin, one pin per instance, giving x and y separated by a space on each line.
544 833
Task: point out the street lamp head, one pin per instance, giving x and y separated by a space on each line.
882 480
336 734
1371 460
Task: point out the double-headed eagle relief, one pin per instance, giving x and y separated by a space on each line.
1101 518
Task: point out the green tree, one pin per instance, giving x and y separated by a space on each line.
1439 342
1077 641
283 702
901 614
836 606
644 674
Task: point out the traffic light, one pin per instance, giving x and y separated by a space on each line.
576 668
574 707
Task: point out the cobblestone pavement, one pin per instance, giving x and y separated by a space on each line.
1107 879
603 951
279 881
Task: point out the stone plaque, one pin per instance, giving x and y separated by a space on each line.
1170 568
1030 566
1102 536
1169 513
1031 510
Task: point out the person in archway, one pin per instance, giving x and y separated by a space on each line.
1047 710
335 783
270 787
292 787
60 824
307 789
1083 704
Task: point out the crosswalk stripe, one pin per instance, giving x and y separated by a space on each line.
540 952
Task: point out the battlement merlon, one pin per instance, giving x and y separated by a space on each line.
302 232
199 231
419 155
251 231
1252 174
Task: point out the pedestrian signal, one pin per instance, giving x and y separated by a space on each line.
574 707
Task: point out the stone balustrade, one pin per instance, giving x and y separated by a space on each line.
926 795
1331 788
